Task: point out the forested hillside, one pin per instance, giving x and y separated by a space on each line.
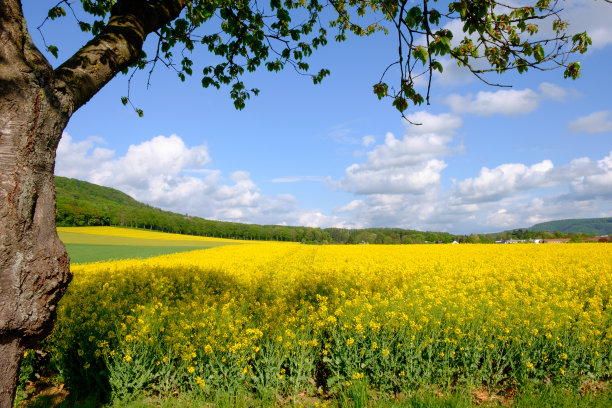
597 226
80 203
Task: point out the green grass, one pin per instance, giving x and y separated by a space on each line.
86 248
85 253
98 239
547 397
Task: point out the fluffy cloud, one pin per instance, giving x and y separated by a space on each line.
506 102
581 176
368 141
596 183
407 165
596 122
510 195
158 171
397 185
493 184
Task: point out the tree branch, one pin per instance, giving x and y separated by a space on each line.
117 46
18 54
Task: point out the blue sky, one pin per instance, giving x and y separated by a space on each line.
485 159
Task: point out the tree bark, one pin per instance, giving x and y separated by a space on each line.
11 354
34 265
36 103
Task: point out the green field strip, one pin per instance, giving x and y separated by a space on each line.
86 253
93 239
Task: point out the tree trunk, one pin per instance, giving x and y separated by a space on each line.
36 102
11 353
34 265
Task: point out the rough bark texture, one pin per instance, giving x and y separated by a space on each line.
34 266
36 103
11 352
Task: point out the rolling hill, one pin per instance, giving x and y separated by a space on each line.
597 226
80 203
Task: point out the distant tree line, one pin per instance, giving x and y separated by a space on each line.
80 203
524 234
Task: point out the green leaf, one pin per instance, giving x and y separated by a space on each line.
380 90
124 100
400 104
84 26
56 12
421 53
413 17
538 53
53 50
572 70
140 112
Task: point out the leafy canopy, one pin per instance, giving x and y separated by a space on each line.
243 35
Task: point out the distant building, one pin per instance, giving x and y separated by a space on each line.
601 238
556 240
511 241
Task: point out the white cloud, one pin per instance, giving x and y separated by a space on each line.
343 134
506 101
493 184
154 172
552 92
597 183
368 141
407 165
444 123
596 122
398 185
352 206
592 17
511 195
75 157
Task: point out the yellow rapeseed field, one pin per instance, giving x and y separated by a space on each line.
139 234
298 318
